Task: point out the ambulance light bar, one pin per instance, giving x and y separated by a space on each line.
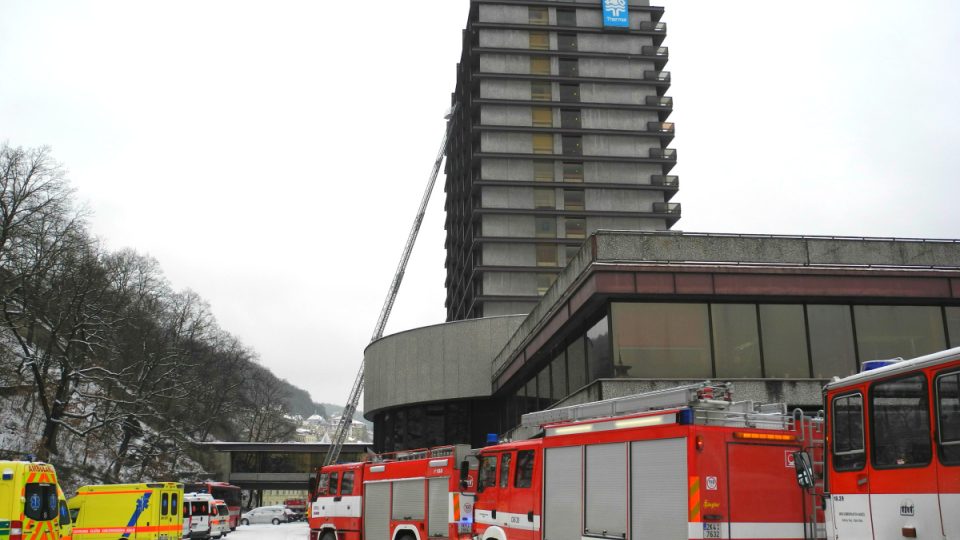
639 421
747 436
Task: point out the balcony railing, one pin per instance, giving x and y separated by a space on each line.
659 76
660 127
665 180
666 208
656 101
663 153
650 50
650 26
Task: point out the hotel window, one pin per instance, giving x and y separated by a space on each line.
539 65
570 93
542 143
569 67
545 198
572 172
541 91
544 281
542 116
546 255
575 227
892 331
543 171
736 343
539 15
540 41
570 118
566 17
567 42
572 145
546 227
573 199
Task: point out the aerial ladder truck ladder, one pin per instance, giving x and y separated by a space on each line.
346 419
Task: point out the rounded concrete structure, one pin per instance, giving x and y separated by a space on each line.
443 362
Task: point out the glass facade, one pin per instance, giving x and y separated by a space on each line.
696 341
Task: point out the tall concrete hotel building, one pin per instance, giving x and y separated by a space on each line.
559 129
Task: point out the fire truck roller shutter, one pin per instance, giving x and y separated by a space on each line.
437 524
563 493
408 499
658 489
606 485
376 514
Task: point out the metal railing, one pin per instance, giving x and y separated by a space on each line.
651 50
665 180
663 153
659 76
666 208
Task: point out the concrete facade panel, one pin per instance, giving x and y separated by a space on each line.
625 173
611 119
506 197
503 254
507 226
505 39
506 169
619 200
499 89
504 14
606 43
519 143
446 361
595 223
505 63
495 309
619 145
509 284
614 68
505 115
615 93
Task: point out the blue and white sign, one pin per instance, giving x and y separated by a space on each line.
615 13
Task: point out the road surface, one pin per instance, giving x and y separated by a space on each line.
284 531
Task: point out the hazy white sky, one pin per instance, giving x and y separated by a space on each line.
271 155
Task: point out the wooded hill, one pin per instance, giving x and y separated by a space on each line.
105 371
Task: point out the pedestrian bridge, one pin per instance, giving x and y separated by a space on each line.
259 466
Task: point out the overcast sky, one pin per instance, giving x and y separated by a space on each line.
271 155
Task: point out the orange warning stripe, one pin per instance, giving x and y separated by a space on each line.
694 498
114 492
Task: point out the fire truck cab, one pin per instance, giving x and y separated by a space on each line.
411 495
893 452
679 463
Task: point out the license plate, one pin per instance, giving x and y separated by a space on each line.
711 530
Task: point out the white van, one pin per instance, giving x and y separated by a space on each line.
196 515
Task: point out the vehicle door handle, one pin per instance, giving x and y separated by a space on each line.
861 480
493 514
530 516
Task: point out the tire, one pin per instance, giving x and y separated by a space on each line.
328 536
244 521
275 521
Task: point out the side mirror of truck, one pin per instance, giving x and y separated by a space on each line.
804 467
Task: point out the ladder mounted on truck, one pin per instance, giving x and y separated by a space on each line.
710 403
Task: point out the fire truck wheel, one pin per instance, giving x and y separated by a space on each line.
406 536
328 536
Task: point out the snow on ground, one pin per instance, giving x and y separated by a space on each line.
265 531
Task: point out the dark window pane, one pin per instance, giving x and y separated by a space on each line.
570 93
505 470
65 513
567 42
346 488
953 325
948 413
572 172
524 476
543 388
577 365
898 331
599 361
900 422
40 502
323 486
334 483
566 17
543 171
164 504
570 119
546 227
575 228
569 67
661 340
531 405
831 341
538 15
736 344
847 420
175 504
573 199
558 373
784 338
572 145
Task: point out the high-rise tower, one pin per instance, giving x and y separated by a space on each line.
559 130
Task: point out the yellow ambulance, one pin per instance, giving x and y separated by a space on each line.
134 511
29 506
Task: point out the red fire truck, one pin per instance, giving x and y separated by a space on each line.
893 459
681 463
411 495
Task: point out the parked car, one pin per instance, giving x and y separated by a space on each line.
267 514
219 519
